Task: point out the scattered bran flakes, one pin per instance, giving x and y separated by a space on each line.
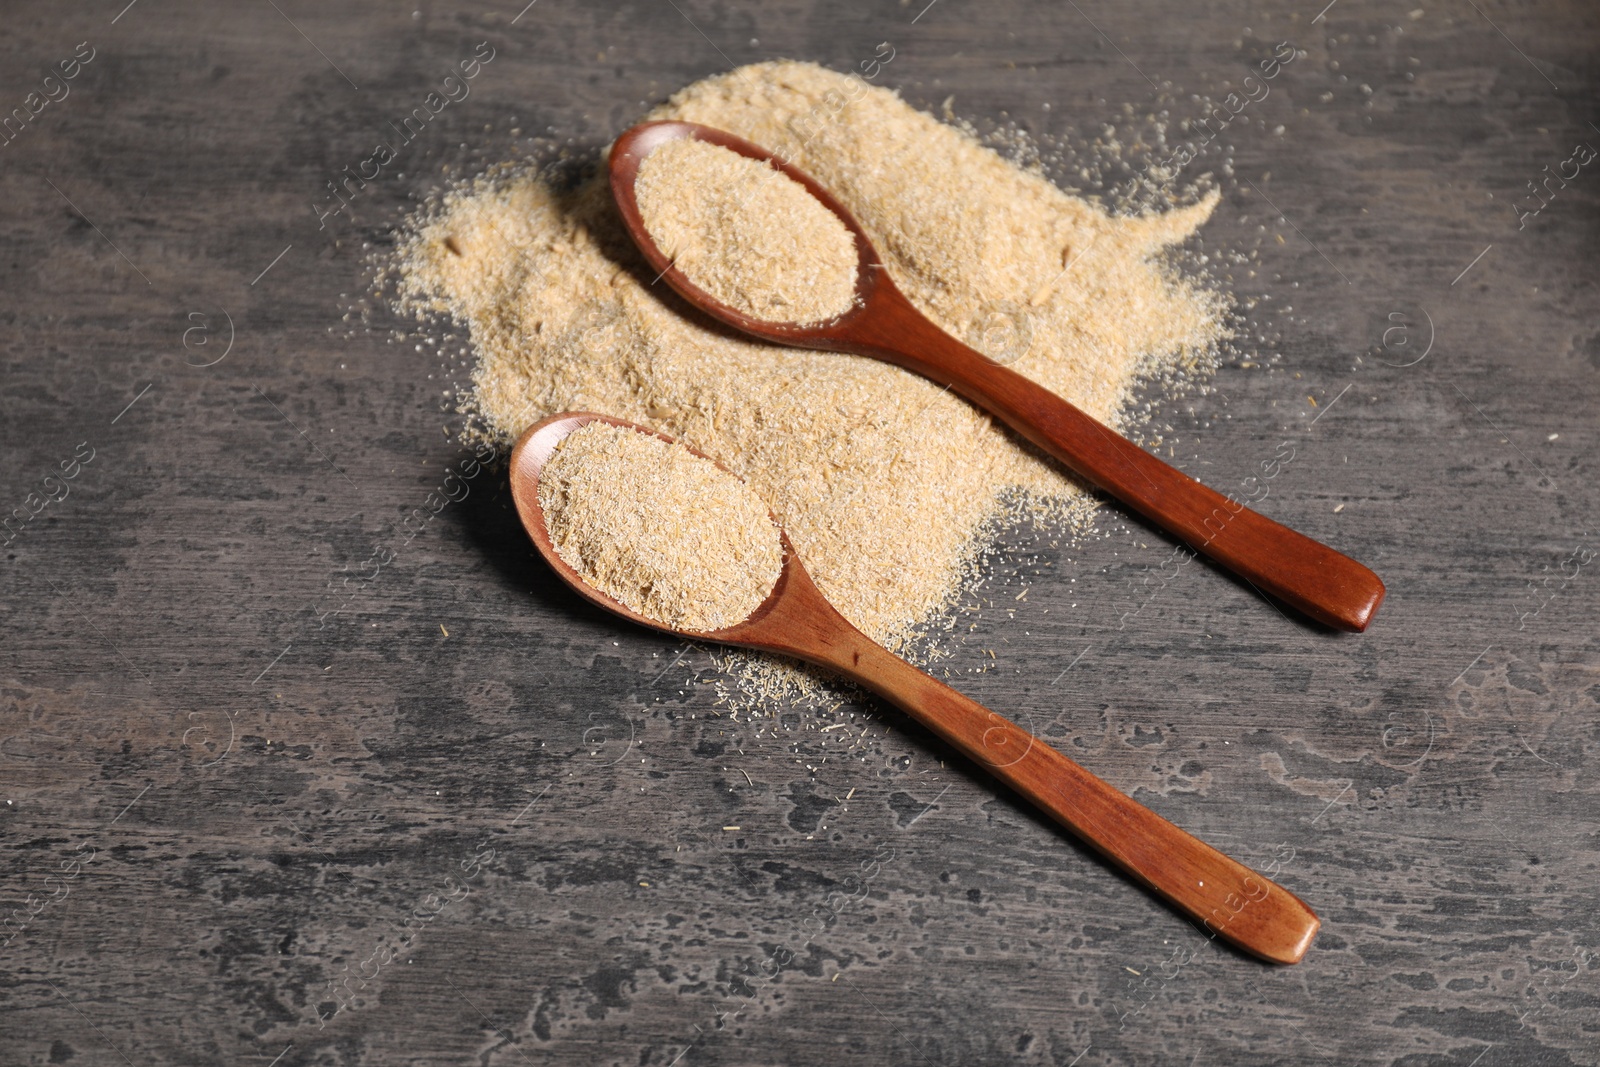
653 525
888 485
747 233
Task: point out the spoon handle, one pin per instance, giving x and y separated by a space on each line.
1328 586
1226 898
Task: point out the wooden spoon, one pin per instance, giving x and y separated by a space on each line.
1225 897
1329 587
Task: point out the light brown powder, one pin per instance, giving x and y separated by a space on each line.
657 527
884 482
747 233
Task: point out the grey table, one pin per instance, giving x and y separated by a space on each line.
446 813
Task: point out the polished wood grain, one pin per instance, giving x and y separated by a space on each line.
1326 585
1222 896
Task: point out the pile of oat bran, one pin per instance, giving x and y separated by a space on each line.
885 482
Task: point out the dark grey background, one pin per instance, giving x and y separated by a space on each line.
238 803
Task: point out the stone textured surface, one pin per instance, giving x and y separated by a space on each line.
252 722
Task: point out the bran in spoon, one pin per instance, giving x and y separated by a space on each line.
746 233
888 486
657 527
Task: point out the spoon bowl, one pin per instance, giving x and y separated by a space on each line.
872 279
1224 897
527 463
883 324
